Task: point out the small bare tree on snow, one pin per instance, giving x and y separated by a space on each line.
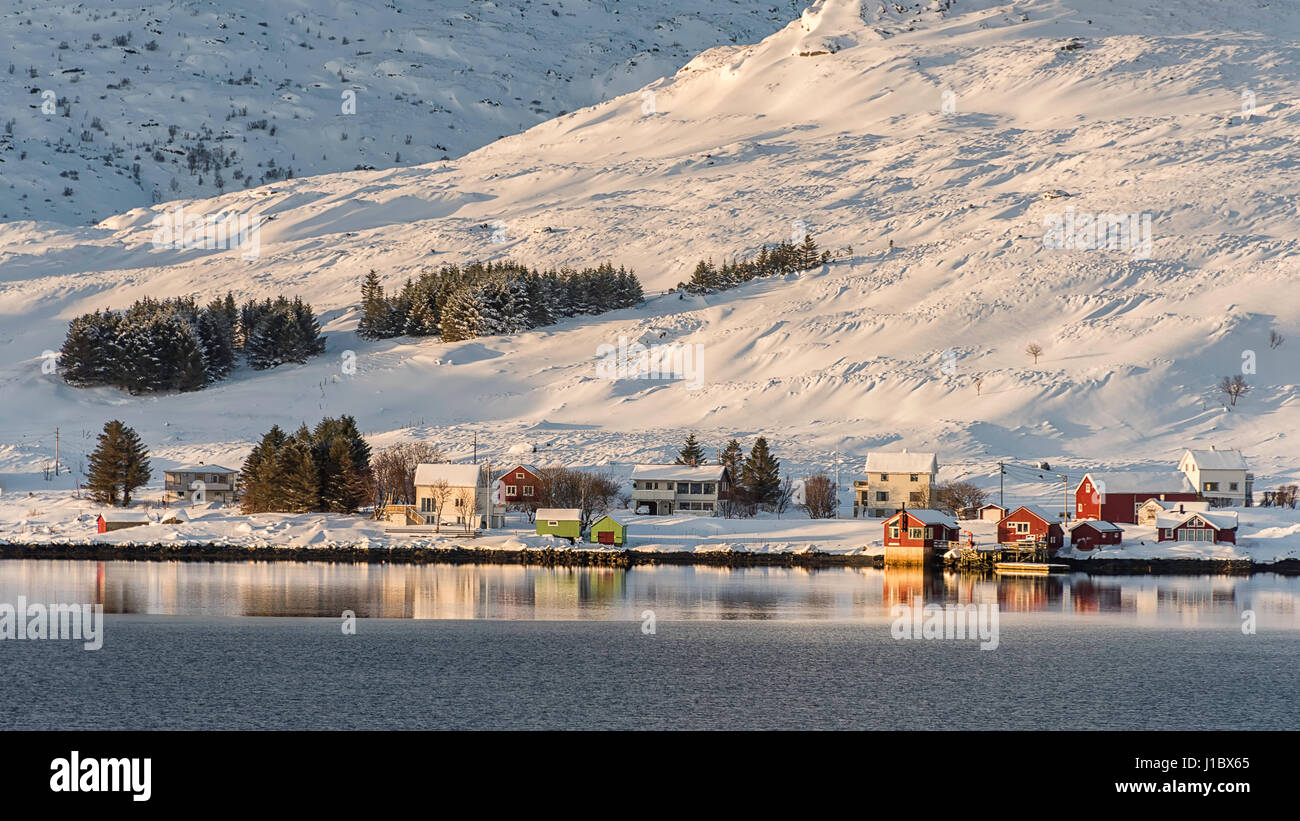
1275 340
819 496
1234 387
1035 350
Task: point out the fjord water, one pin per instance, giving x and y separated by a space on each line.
263 645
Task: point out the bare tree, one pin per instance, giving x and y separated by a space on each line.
1234 387
819 496
1275 339
1035 350
440 493
394 472
784 495
954 497
592 494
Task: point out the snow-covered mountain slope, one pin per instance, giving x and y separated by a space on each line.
112 105
955 131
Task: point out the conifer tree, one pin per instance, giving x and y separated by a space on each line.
691 453
762 473
118 466
260 479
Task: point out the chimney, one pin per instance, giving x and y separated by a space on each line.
1180 507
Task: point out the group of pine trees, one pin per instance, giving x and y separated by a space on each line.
783 258
118 466
177 345
755 479
323 469
482 299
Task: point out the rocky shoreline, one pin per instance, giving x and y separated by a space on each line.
568 557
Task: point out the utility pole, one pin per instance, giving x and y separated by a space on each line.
56 451
1002 496
476 447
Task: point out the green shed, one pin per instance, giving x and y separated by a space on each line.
608 530
564 522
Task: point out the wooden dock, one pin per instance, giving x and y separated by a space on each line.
1028 568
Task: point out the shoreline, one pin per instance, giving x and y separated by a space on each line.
569 557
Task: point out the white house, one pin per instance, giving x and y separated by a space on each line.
1220 476
212 483
895 480
665 489
456 494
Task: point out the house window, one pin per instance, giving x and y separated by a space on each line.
1020 527
512 490
519 474
914 497
426 505
683 487
879 513
458 501
882 496
708 487
916 533
1078 507
884 477
893 531
552 523
913 478
528 490
1211 485
1232 486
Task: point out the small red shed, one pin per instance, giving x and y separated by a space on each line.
1091 534
1030 524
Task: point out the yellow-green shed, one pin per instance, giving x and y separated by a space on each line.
608 530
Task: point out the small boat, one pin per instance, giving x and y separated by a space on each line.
1029 568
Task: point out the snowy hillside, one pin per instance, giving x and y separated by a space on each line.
955 131
114 105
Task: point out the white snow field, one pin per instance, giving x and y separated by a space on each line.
957 131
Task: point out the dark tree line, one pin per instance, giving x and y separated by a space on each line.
177 345
325 469
482 299
780 259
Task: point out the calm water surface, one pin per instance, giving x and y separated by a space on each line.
260 645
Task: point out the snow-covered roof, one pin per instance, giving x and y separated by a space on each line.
558 514
454 475
620 518
1215 459
679 473
1140 481
179 515
1037 511
1218 520
1162 505
902 461
125 516
1096 524
506 473
927 516
200 468
992 504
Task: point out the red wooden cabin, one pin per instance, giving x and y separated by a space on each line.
920 528
1091 534
522 484
1028 524
1115 497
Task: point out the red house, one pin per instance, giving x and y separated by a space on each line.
920 528
523 485
1091 534
1115 497
1029 524
1196 526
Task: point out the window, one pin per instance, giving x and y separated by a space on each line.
879 513
916 533
512 490
914 497
1211 485
893 531
884 477
708 487
697 488
1232 486
1079 507
882 496
458 501
683 487
519 474
913 478
1020 527
528 490
426 505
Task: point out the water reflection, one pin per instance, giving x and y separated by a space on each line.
536 593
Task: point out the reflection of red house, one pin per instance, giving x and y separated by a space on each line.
1091 534
1196 526
1029 524
523 485
1115 497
